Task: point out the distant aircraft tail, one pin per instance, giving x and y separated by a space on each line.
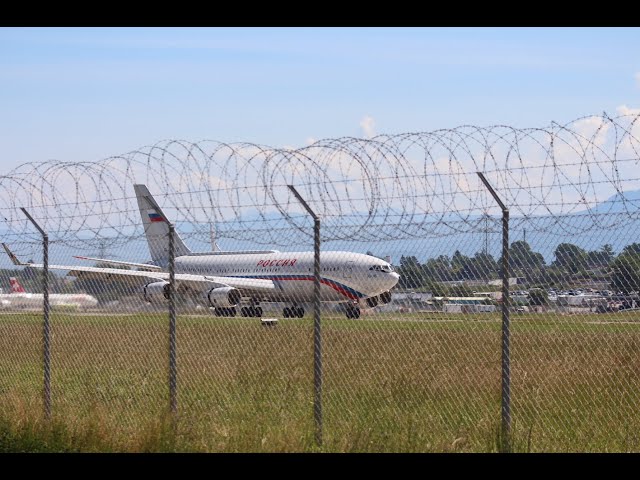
214 244
156 228
15 286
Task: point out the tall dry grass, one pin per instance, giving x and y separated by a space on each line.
427 383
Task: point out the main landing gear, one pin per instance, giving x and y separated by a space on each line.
225 312
253 310
293 312
353 311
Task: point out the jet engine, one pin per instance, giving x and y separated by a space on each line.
156 292
223 297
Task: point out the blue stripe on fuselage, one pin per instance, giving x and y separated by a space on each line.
332 283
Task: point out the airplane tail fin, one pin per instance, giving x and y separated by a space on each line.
15 286
156 229
12 256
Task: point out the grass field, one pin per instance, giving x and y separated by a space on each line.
393 382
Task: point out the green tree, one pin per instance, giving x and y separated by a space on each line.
538 296
481 266
626 273
523 259
553 276
459 263
438 269
634 248
460 291
600 258
438 289
411 273
607 253
570 257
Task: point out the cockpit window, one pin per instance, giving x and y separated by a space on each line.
382 268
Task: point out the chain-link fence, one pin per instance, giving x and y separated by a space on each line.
453 315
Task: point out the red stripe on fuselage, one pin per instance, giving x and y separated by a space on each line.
337 288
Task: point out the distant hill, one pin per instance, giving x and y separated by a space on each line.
619 203
606 223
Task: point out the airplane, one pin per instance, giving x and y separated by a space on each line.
225 279
19 297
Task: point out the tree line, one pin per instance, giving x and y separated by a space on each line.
572 265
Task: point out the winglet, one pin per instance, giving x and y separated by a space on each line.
12 256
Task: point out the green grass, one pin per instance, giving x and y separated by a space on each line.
393 382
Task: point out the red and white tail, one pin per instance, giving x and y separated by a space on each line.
15 286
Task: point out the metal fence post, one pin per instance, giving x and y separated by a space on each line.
46 329
173 362
506 334
173 367
317 331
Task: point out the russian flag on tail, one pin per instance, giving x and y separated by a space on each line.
15 286
154 217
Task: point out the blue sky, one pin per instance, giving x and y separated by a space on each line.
83 94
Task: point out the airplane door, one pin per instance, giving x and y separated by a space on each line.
348 270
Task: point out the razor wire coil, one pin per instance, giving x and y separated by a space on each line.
387 187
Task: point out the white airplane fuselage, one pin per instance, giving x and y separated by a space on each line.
36 300
344 276
224 278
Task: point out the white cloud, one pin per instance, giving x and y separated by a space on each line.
311 141
368 126
629 144
624 110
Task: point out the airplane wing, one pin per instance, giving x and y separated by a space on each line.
197 283
140 266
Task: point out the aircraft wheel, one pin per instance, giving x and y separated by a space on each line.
286 313
300 312
353 312
243 312
259 312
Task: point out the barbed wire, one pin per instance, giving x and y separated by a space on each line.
388 187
